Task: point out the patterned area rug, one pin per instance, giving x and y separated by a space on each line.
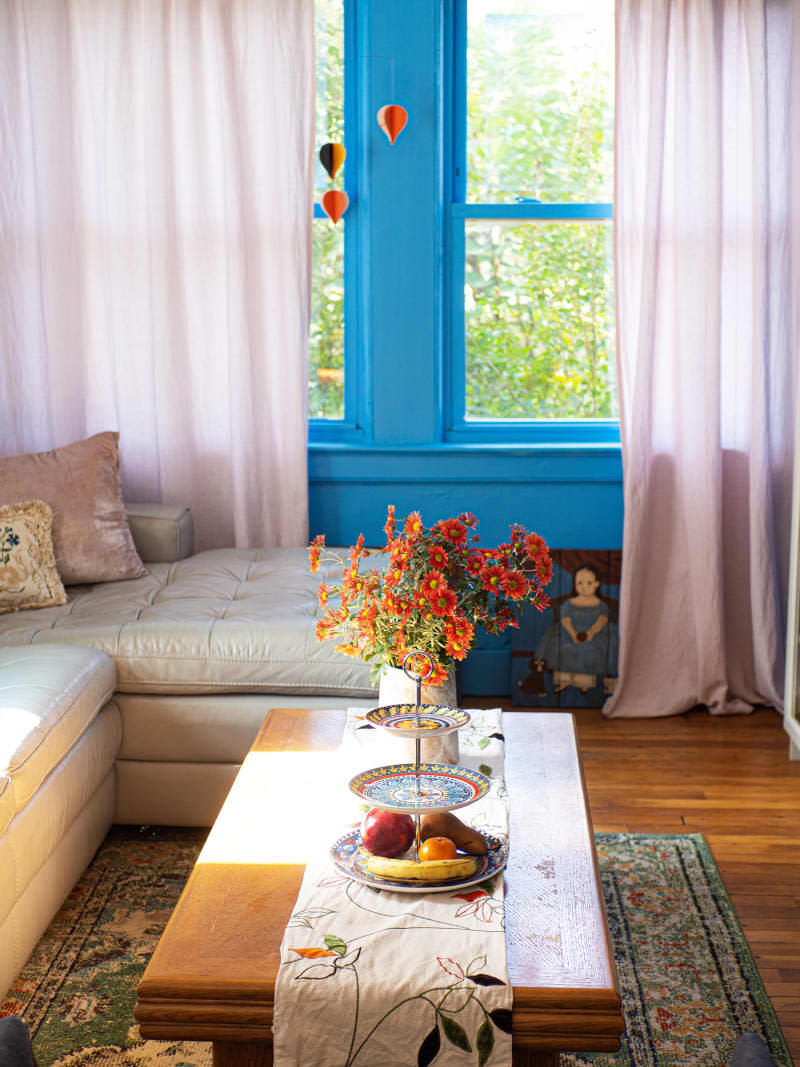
688 979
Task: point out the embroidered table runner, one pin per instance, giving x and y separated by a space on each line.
371 978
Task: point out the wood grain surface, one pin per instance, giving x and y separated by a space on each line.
212 976
730 778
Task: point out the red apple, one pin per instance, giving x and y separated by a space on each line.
387 833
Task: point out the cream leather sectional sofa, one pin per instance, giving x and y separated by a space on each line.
137 700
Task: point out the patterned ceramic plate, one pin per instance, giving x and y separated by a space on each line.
410 720
348 859
441 787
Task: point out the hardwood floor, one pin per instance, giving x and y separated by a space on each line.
731 779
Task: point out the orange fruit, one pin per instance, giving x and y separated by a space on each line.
437 848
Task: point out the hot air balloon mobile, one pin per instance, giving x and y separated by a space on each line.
392 119
332 156
334 204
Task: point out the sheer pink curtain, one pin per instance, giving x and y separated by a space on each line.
707 218
155 243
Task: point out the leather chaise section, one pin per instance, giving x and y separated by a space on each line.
48 697
227 620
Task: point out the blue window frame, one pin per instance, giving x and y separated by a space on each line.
405 380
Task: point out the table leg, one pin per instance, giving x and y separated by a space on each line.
528 1057
242 1054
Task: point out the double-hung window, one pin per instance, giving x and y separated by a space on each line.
531 282
522 276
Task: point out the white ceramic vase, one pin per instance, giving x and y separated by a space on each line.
397 688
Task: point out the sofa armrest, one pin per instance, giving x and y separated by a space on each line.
162 533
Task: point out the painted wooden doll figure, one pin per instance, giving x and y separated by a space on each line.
583 644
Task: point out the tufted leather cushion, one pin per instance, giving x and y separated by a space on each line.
228 620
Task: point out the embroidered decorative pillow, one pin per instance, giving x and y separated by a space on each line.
91 537
28 575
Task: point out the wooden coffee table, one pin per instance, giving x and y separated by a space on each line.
212 976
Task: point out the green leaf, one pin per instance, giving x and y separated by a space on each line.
484 1042
335 944
455 1033
483 743
484 768
475 964
429 1049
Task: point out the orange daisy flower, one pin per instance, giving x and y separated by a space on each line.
443 601
515 584
388 526
431 584
439 676
357 550
322 594
348 650
455 647
536 547
474 564
315 551
452 530
544 570
461 628
413 526
492 577
437 557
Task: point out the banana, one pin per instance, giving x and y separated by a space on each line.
419 871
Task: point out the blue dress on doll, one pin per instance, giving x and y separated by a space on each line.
598 656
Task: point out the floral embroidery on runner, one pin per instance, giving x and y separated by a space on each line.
370 977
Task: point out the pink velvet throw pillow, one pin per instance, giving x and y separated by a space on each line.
91 538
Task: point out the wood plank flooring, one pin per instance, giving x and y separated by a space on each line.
731 779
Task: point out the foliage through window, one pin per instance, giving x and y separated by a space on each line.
326 339
538 289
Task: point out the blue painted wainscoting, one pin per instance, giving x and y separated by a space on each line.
572 496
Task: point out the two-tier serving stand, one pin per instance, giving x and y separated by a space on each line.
417 788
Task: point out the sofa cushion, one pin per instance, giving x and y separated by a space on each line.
227 620
162 533
6 802
81 484
48 696
28 575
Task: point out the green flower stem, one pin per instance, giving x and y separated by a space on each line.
351 967
382 1020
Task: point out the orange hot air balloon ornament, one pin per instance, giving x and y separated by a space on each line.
392 119
334 204
332 156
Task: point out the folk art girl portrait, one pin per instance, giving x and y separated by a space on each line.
573 660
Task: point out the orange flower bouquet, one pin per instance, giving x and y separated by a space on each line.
436 588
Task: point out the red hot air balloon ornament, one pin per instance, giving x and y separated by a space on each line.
392 119
334 204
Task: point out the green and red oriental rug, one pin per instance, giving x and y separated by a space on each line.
688 980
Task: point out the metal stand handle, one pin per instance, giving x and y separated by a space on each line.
418 677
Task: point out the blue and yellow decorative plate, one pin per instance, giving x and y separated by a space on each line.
423 720
348 858
442 787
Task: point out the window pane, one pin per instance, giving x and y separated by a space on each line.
329 42
539 321
540 100
326 339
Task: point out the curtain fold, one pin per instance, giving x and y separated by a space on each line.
707 238
155 247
